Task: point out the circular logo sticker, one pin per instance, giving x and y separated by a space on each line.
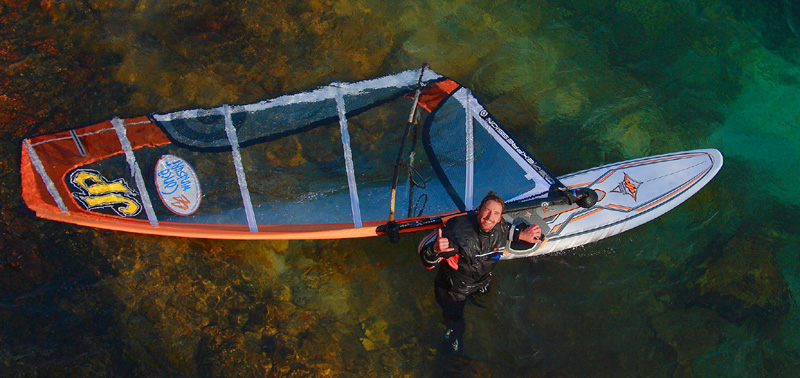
178 185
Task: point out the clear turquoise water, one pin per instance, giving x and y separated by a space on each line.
707 290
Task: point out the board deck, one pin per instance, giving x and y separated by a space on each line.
630 193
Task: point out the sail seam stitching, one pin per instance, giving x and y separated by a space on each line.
78 143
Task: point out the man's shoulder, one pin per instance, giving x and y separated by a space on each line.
460 221
460 229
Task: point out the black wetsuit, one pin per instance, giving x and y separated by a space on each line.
466 270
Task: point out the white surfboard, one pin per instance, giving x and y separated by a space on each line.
630 193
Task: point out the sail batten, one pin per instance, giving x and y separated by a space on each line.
78 143
470 152
230 131
51 188
348 160
136 172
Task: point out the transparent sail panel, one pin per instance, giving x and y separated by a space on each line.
205 128
320 157
472 155
299 179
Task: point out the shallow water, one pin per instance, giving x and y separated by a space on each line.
707 290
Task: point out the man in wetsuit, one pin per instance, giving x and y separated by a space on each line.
466 250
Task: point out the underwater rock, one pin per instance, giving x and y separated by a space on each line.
689 332
21 266
375 336
632 133
566 102
740 280
224 353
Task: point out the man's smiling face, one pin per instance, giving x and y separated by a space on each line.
489 214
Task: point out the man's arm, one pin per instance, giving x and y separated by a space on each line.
433 252
531 234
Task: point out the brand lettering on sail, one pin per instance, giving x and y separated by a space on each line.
95 192
513 144
178 185
175 177
181 202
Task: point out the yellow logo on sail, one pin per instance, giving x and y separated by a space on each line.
96 192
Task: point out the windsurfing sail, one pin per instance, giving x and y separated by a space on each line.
312 165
